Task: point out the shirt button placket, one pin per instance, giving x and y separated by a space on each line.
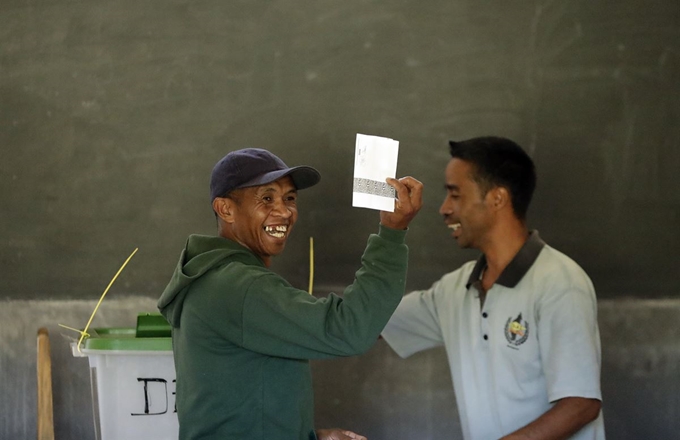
485 326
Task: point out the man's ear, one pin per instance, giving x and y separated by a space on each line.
224 208
499 197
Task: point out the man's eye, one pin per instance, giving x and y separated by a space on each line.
267 198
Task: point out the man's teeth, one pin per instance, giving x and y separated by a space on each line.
276 231
455 226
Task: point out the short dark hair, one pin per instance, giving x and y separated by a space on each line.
499 162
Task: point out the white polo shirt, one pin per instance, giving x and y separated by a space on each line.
535 341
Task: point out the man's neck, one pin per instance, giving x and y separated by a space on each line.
504 244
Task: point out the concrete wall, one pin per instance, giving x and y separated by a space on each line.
377 394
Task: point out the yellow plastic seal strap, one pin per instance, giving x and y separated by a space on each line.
311 264
84 332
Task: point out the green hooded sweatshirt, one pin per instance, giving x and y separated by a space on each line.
242 336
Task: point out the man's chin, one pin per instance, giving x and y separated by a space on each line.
277 249
462 243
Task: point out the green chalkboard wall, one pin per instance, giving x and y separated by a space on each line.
112 114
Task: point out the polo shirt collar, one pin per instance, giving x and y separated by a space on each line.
517 268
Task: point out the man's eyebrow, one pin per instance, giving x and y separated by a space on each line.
450 187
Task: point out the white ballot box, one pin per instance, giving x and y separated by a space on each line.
132 373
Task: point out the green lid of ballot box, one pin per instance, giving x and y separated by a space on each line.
152 333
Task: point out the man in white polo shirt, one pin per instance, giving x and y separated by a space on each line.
519 324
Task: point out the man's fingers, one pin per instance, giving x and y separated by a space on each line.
353 435
406 186
409 191
399 188
338 434
415 189
408 203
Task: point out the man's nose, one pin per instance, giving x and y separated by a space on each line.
445 208
282 209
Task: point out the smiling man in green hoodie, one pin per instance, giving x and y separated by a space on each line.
242 335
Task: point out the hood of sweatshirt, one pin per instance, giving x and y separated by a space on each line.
201 254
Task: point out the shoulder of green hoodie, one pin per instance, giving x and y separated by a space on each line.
258 310
201 254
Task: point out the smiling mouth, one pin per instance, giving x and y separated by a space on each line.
276 231
454 226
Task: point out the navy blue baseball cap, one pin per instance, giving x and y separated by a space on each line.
254 167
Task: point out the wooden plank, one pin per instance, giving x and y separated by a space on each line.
45 412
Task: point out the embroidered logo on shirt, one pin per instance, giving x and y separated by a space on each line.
516 330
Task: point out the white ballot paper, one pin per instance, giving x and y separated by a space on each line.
375 160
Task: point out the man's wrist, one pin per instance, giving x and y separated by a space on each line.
394 235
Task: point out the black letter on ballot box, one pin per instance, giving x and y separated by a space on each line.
146 381
174 393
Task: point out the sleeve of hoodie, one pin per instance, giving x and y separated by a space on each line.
280 320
